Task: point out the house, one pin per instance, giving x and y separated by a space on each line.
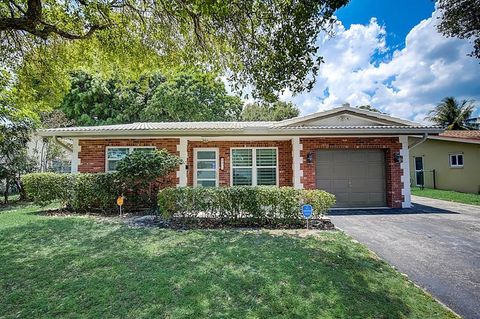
449 161
352 153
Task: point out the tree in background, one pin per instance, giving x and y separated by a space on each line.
14 161
191 96
368 108
451 113
269 45
276 111
179 96
461 19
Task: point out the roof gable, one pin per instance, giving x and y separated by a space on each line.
345 116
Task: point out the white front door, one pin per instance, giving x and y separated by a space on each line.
206 167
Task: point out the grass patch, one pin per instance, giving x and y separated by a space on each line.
83 268
451 196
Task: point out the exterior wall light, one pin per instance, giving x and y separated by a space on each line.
309 157
397 157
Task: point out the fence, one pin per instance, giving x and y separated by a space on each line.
424 178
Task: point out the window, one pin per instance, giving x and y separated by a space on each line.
206 167
254 166
456 160
115 154
419 178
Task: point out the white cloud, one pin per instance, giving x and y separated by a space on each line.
407 85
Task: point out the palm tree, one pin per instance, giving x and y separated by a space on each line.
451 113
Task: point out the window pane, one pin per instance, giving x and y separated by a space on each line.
112 165
117 153
460 160
242 176
206 154
266 176
418 163
206 174
207 183
242 157
266 157
143 150
454 159
206 165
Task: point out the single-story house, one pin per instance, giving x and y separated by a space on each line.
355 154
449 161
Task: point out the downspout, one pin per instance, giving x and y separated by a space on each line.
62 144
423 139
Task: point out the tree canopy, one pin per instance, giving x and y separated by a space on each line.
268 45
276 111
178 96
461 19
451 113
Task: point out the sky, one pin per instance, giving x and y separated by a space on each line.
389 54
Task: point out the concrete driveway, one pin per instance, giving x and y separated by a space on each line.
436 243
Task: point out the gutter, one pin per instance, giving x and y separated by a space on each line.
423 139
62 144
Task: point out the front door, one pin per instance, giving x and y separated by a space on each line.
206 167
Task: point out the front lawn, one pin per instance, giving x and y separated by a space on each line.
84 267
452 196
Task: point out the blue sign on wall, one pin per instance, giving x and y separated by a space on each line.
307 210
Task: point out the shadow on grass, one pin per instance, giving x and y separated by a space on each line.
72 267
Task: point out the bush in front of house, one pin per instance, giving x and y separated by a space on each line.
44 188
78 192
261 205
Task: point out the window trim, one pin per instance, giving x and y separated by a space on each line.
254 164
195 162
130 148
456 165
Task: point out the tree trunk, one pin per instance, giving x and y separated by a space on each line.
5 193
21 190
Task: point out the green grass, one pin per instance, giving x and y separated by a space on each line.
452 196
82 267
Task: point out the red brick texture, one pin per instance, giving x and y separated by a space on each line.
92 157
92 152
390 145
285 174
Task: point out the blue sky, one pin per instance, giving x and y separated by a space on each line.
399 17
390 55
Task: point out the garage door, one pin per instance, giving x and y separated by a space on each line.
356 177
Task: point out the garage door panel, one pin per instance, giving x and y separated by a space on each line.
355 177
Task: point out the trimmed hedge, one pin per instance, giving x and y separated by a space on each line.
263 204
79 192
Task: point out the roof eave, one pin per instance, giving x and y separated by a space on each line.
255 131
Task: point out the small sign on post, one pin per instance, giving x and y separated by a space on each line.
307 211
120 203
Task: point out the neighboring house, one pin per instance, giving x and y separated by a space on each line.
473 123
449 161
354 154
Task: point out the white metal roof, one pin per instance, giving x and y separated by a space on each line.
385 125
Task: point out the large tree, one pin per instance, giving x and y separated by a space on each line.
178 96
276 111
451 113
461 19
267 44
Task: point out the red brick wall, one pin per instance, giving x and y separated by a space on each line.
92 152
284 158
389 144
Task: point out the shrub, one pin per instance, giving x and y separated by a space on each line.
44 188
262 205
143 172
79 192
